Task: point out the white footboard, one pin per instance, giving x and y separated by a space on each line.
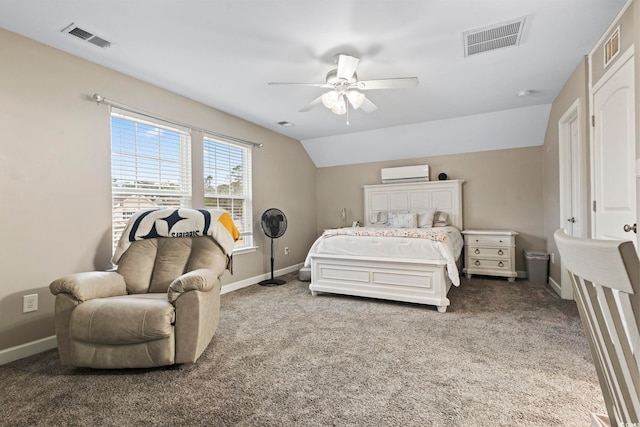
409 280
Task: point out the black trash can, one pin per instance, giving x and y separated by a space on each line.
537 266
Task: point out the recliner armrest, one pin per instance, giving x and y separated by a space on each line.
90 285
202 279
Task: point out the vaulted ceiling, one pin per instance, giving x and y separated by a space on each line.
224 54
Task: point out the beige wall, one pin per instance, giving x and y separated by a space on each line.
502 190
55 194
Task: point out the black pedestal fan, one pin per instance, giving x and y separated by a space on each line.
274 224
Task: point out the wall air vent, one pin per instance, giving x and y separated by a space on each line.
76 31
612 47
494 37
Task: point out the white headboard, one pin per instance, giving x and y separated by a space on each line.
445 196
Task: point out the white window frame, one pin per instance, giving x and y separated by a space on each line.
191 192
244 221
133 163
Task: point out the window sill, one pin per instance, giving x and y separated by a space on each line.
245 250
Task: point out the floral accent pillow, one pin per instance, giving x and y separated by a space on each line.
402 220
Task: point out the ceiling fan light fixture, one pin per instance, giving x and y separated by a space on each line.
329 99
341 105
355 98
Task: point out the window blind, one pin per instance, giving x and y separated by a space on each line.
227 183
150 167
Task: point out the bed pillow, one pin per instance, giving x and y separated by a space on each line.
425 218
441 219
378 218
403 220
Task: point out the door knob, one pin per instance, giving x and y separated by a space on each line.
627 228
572 220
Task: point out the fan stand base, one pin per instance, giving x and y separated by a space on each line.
272 282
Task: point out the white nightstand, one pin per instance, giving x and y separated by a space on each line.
490 252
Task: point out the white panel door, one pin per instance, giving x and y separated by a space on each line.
573 186
575 223
614 156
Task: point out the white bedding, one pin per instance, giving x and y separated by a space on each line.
395 247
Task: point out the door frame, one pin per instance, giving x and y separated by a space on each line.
567 159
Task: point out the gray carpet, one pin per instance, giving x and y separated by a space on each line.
505 354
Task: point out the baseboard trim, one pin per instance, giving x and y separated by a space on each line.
34 347
28 349
253 280
555 286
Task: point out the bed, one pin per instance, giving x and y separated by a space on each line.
390 263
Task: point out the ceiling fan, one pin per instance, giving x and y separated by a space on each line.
345 89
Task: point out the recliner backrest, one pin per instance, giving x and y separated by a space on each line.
151 265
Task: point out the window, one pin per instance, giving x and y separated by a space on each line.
150 167
227 183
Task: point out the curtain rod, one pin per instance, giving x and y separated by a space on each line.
102 100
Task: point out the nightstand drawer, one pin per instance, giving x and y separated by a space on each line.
489 240
478 264
497 253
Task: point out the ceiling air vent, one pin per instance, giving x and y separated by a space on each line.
74 30
494 37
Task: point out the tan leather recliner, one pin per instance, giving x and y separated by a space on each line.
159 308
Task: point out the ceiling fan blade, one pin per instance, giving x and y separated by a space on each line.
300 84
368 106
397 83
347 66
311 105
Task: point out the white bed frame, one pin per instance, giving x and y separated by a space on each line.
398 279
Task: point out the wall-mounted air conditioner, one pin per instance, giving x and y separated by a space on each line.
405 174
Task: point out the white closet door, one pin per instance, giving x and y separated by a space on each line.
614 156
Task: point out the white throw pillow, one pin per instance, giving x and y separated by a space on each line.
441 219
425 218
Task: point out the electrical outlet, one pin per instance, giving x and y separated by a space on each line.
29 303
553 258
286 250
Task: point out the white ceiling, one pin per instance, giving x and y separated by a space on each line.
223 54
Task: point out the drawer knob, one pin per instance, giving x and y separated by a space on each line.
500 252
477 262
500 264
477 251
